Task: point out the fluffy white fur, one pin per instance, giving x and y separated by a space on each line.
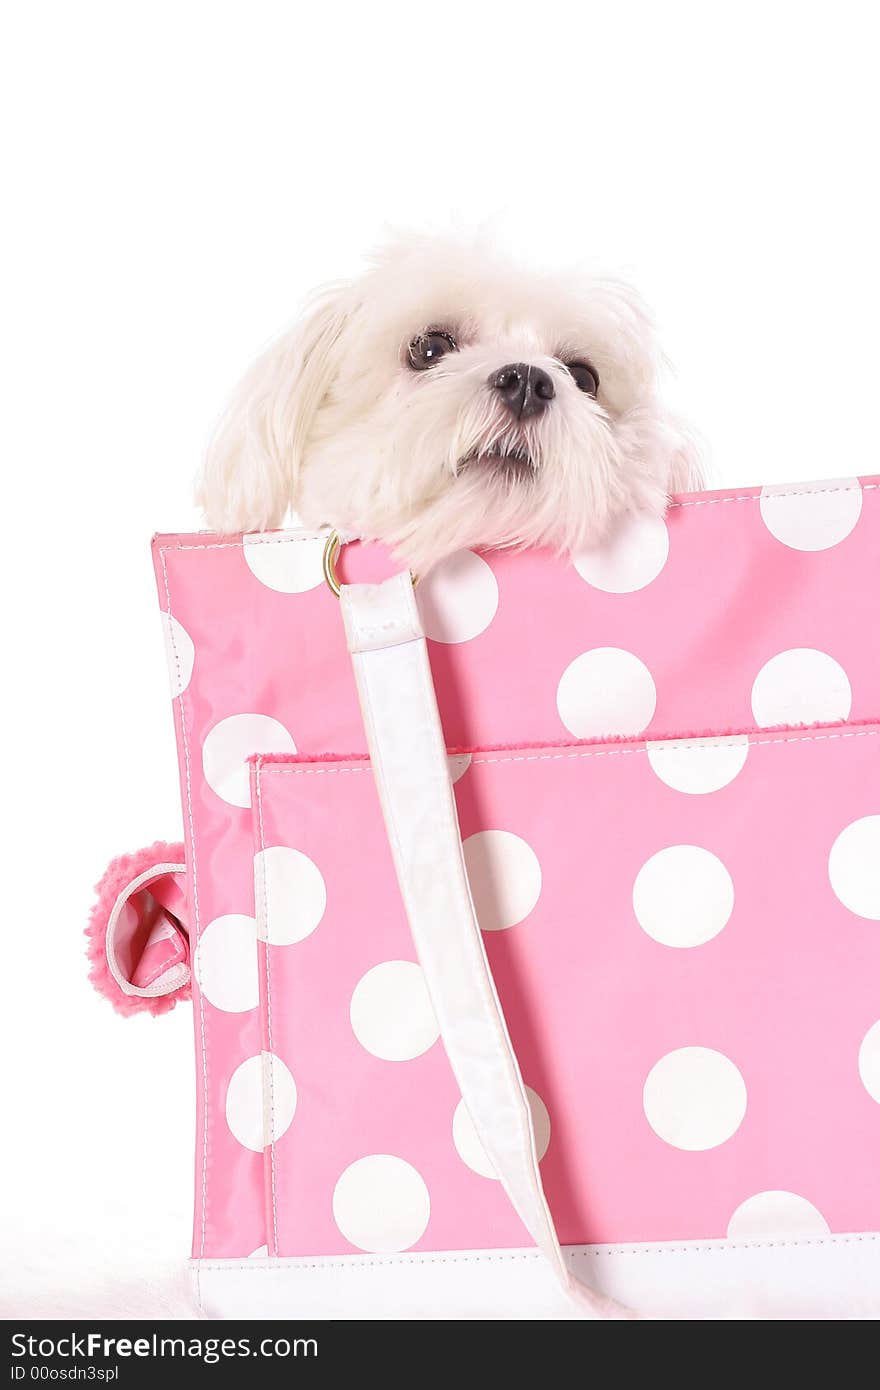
333 421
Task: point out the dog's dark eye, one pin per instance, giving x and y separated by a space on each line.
585 377
428 348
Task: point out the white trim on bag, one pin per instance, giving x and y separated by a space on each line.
833 1276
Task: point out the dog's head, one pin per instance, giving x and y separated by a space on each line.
447 399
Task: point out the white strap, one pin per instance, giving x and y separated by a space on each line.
408 755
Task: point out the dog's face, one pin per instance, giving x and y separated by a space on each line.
447 400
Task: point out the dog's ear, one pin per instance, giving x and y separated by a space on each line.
665 455
249 475
631 363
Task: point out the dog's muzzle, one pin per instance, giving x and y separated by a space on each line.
512 463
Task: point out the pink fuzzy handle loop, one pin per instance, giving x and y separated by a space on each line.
138 942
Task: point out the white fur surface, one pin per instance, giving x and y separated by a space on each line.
333 421
101 1277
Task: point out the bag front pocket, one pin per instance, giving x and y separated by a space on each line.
684 939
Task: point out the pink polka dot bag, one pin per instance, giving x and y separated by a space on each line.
531 918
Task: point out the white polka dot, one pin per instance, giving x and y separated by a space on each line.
628 560
698 765
869 1061
801 686
776 1214
381 1204
683 896
261 1253
458 598
505 877
813 519
260 1101
606 691
391 1011
469 1148
290 893
226 963
290 566
854 867
694 1098
179 652
458 765
228 746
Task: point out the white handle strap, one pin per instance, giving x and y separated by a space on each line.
408 755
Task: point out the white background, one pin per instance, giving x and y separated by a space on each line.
176 177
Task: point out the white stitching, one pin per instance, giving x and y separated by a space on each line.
265 885
206 1109
354 1263
316 769
239 544
774 496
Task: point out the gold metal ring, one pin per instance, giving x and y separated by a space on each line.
328 564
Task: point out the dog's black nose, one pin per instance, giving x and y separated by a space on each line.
525 390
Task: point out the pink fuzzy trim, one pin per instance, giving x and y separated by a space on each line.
117 877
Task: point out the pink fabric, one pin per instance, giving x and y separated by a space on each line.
148 910
784 991
592 1001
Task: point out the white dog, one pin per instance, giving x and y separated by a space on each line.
448 399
